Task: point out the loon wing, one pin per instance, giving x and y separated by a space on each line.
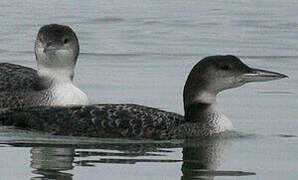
14 77
101 120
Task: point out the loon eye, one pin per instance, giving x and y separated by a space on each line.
225 67
65 40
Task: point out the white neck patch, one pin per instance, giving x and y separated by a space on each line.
68 94
205 97
64 92
57 75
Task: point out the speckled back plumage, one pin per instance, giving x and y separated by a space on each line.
13 76
20 86
103 120
108 120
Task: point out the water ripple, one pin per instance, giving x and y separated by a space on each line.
269 57
107 19
276 92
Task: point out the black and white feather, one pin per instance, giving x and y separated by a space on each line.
102 120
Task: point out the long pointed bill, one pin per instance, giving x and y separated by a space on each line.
259 75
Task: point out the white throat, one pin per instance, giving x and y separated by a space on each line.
63 91
205 97
57 75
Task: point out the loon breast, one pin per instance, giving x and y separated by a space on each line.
68 94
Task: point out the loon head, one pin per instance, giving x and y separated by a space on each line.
56 51
214 74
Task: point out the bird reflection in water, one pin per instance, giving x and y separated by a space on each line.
49 161
201 157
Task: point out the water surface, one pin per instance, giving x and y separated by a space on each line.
141 52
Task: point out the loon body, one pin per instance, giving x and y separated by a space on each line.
56 50
209 76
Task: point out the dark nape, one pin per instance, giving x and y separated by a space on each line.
196 112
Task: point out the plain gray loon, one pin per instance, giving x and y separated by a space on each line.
208 77
56 51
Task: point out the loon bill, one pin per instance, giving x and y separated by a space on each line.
208 77
56 51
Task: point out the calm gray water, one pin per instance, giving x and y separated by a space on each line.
141 52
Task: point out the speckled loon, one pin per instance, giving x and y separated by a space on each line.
56 51
208 77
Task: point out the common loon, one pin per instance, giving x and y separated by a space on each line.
208 77
56 51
